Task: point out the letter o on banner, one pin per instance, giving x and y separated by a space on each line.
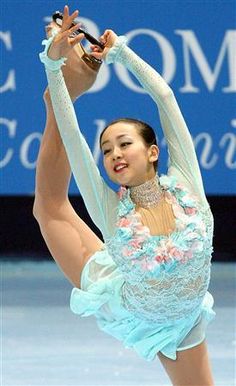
168 54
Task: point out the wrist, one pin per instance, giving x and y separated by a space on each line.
51 64
115 51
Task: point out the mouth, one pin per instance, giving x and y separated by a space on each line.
119 168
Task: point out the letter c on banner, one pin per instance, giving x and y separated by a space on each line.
10 83
169 61
11 125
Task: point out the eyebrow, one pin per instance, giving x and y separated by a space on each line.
118 137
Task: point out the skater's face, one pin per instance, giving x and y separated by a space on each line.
127 159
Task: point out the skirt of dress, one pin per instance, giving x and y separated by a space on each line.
100 295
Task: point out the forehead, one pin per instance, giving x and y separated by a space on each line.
120 128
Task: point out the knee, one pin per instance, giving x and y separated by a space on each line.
35 209
38 209
42 208
47 207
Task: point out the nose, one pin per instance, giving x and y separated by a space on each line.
116 153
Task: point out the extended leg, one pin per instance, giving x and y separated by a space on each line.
191 368
70 241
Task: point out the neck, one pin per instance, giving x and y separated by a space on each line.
147 194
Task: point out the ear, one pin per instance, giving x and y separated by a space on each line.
153 153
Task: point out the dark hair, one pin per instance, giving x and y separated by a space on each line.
145 131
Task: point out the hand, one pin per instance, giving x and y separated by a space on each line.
108 39
62 42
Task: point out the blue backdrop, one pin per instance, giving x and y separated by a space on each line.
191 43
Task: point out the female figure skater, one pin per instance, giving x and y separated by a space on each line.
147 282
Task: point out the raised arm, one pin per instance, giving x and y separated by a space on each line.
99 199
183 160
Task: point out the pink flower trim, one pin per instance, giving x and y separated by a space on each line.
122 192
149 253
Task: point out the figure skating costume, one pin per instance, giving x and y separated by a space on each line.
145 288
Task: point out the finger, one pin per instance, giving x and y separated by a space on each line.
76 40
67 22
73 15
68 19
74 28
106 34
97 55
96 48
68 32
104 38
66 13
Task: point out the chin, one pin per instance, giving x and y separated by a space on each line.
123 180
127 183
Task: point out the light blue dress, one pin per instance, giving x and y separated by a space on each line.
148 291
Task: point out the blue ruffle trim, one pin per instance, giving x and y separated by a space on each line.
146 338
52 65
114 52
88 303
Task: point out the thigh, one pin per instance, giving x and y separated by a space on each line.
191 368
69 239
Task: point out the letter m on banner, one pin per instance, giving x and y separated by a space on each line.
191 45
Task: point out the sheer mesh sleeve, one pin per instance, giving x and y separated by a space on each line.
183 159
101 202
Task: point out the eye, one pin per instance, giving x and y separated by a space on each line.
106 151
123 144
